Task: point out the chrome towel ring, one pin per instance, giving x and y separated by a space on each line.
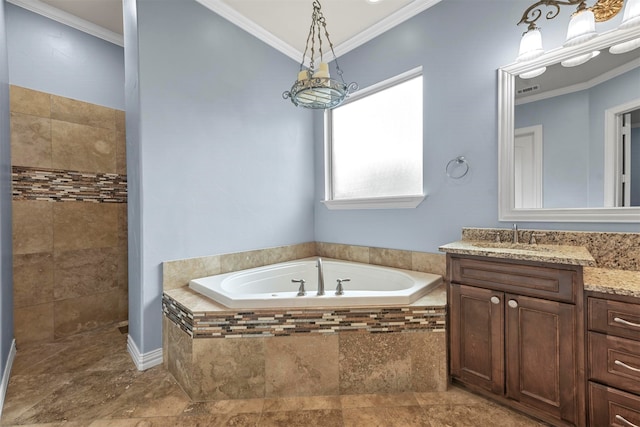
457 168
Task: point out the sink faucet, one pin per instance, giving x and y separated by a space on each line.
320 277
515 233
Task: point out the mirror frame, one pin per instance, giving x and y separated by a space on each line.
506 105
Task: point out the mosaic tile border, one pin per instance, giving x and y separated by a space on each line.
267 323
55 185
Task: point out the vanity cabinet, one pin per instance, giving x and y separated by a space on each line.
613 342
516 334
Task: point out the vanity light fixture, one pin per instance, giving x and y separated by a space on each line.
631 18
582 27
315 88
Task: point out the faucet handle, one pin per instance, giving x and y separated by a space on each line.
532 239
301 291
497 238
339 288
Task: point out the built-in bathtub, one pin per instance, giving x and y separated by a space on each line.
365 341
277 285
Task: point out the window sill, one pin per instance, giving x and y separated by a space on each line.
399 202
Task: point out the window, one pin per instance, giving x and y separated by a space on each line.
374 146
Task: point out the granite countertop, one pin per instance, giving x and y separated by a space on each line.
557 254
610 281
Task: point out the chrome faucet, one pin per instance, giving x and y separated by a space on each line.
515 233
320 277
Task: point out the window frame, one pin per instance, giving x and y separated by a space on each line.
386 202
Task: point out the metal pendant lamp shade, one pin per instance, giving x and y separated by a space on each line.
314 87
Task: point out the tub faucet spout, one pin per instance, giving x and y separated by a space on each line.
320 277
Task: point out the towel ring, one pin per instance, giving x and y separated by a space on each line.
457 168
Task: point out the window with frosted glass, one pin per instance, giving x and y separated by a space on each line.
376 143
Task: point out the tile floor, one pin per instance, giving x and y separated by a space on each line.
90 380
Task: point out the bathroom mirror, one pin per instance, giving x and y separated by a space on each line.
560 155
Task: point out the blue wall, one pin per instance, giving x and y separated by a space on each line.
6 243
460 44
224 163
51 57
218 162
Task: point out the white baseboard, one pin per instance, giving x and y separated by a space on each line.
7 373
143 361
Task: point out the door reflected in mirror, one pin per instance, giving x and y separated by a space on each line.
562 135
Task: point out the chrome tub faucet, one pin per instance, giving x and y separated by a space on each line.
320 277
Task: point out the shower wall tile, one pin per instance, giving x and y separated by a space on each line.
374 363
28 101
32 279
429 263
121 152
80 314
123 228
85 272
82 148
390 258
301 366
84 113
33 324
81 225
32 226
69 212
243 260
30 141
228 369
121 142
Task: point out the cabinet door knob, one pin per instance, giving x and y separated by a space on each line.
513 303
495 300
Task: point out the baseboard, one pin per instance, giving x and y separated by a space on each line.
146 360
7 374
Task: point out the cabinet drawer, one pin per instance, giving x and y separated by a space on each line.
611 407
614 361
530 280
614 317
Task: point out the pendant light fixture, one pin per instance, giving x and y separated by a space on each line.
314 87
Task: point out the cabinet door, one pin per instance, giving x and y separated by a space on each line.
477 337
540 363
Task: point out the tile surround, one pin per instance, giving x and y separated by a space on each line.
69 212
230 323
296 352
54 185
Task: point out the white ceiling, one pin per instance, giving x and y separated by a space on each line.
284 24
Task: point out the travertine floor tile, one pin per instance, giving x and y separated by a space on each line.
89 380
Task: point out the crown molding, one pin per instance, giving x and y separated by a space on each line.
70 20
233 16
230 14
396 18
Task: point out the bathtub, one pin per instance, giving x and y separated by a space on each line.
271 287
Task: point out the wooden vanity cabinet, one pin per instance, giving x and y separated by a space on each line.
613 343
516 334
